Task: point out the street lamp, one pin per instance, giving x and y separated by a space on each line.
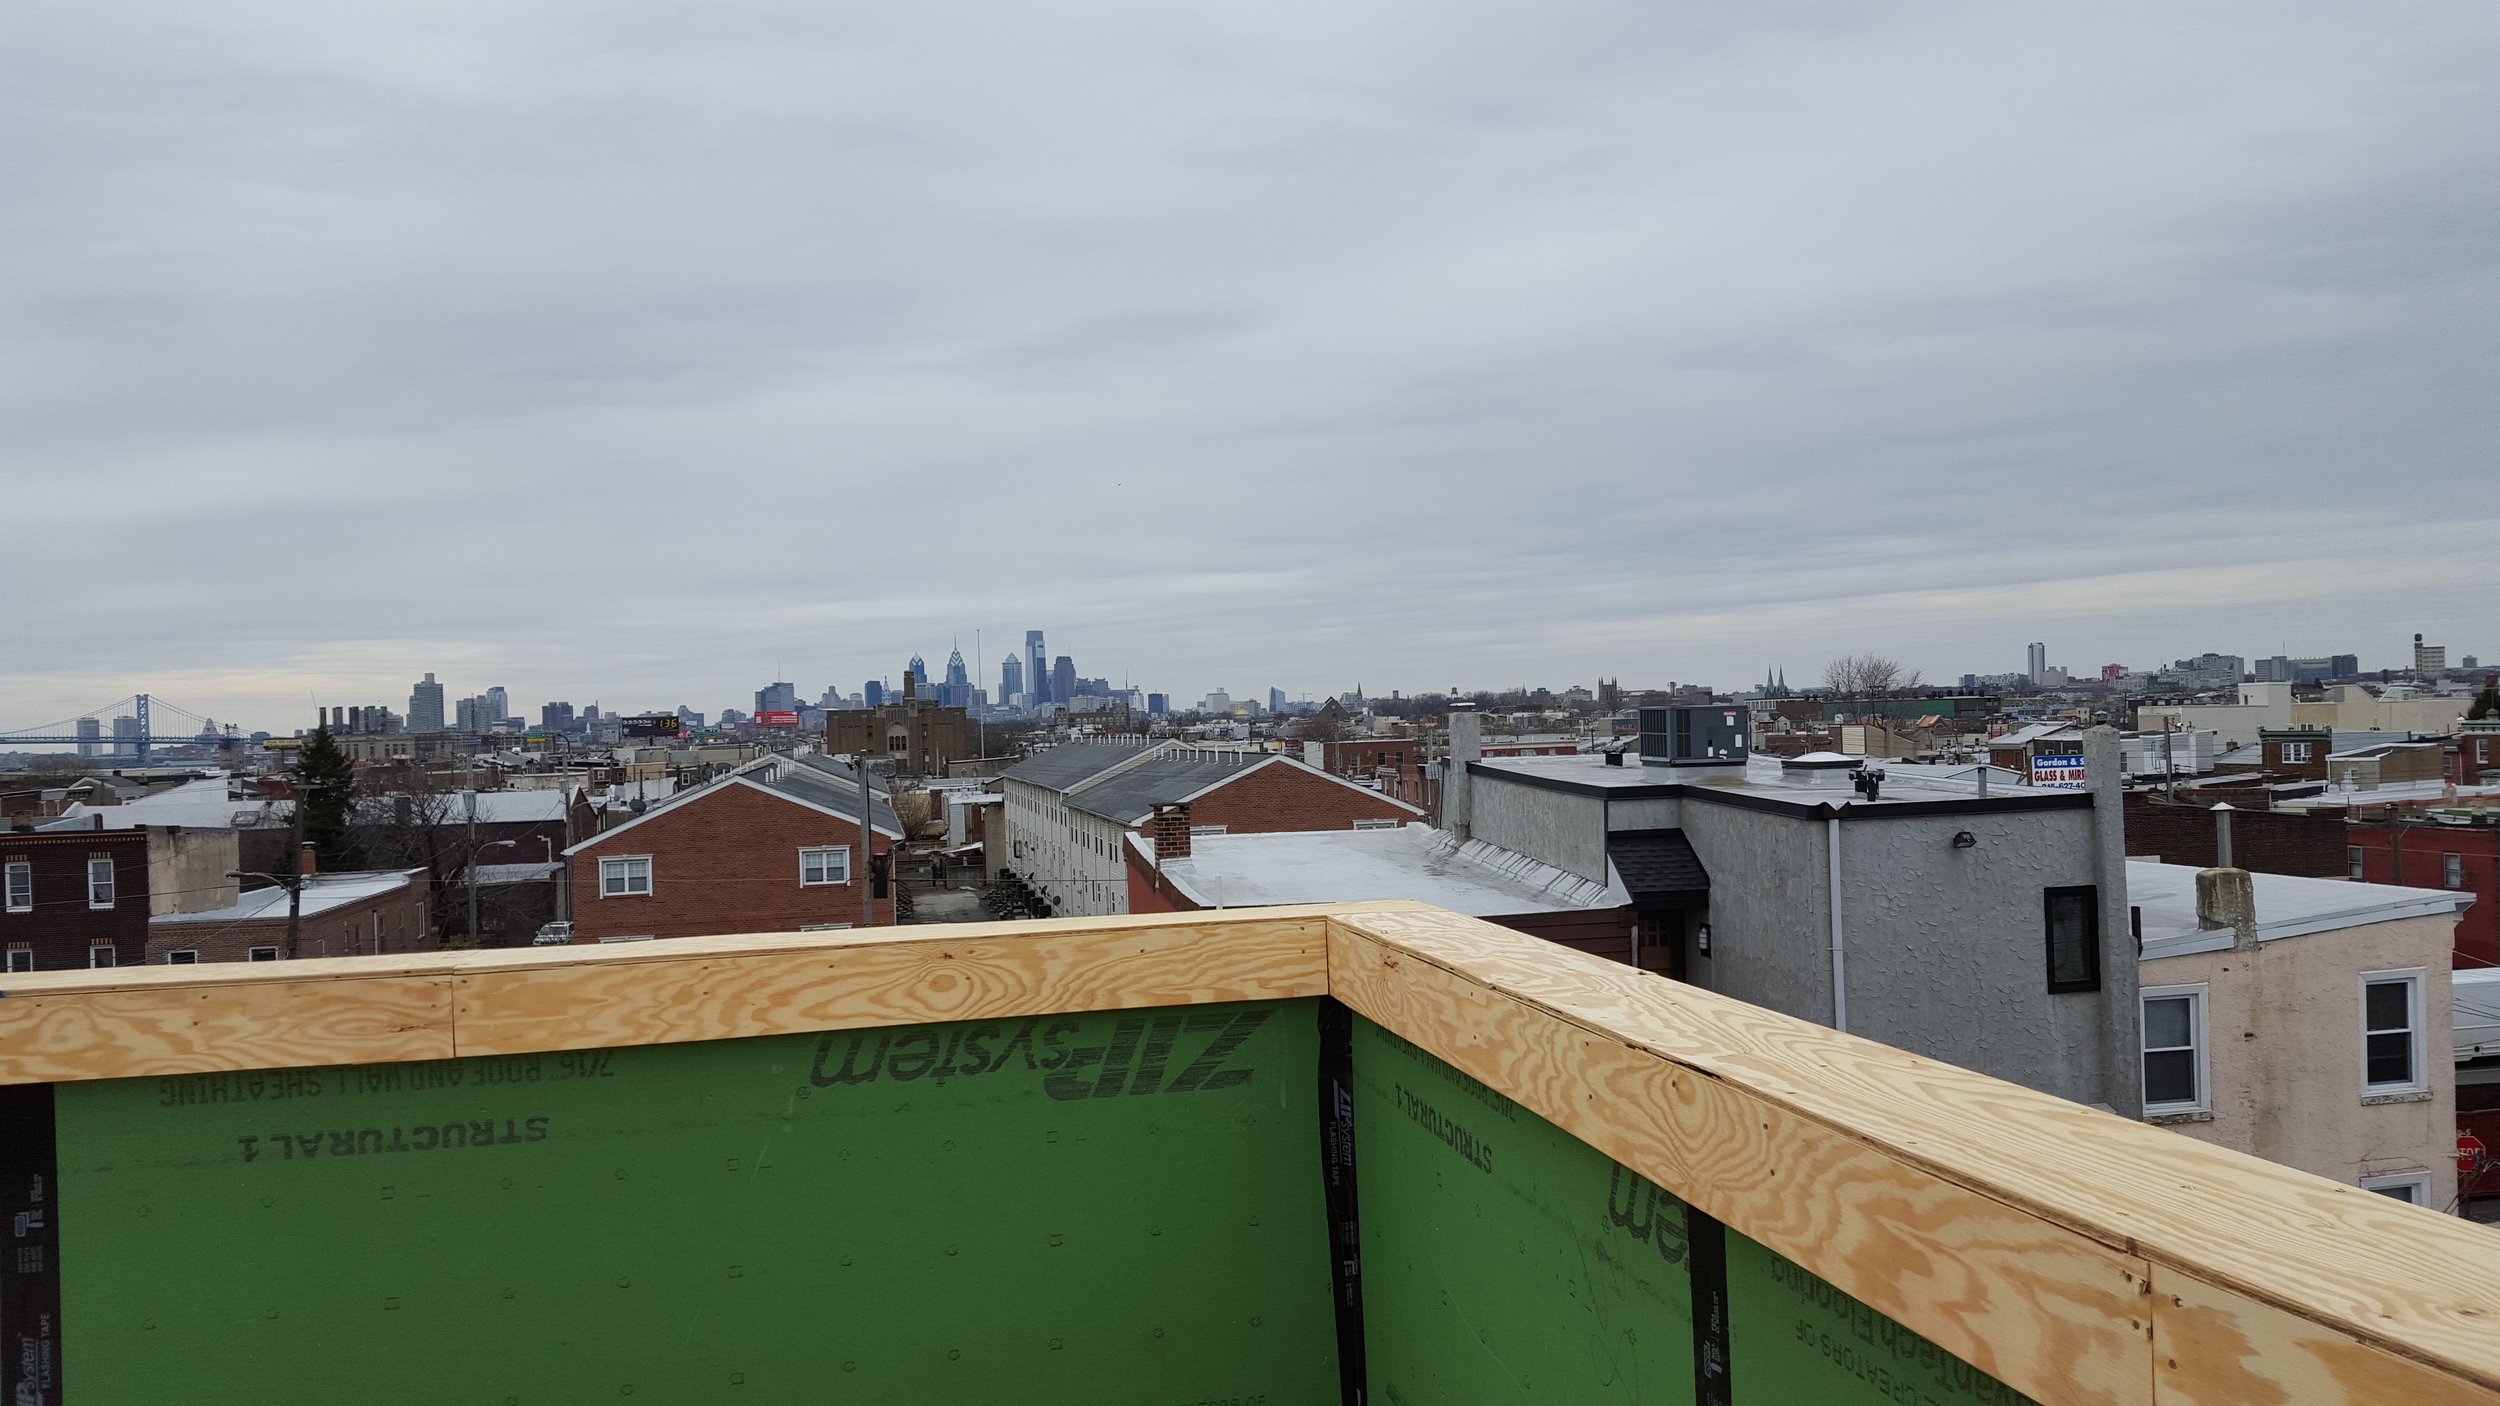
294 886
474 852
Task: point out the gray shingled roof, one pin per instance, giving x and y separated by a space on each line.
1132 795
1656 861
817 789
1068 763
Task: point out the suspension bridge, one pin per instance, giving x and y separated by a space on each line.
126 729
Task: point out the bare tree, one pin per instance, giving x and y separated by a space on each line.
1857 676
411 819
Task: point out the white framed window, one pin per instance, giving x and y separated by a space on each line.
21 886
1375 825
2412 1188
100 882
186 957
1208 829
261 954
2296 752
626 876
103 955
636 937
21 959
2452 870
2391 1033
2175 1074
822 927
829 864
2352 863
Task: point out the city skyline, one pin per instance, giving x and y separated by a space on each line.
1337 345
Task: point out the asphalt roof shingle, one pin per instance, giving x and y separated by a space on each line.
1656 861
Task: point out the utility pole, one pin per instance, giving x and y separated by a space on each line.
468 799
867 838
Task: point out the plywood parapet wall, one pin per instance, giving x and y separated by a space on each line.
146 1021
2075 1256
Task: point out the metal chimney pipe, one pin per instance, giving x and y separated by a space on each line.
2222 836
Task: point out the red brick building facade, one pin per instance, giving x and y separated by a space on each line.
752 852
355 914
74 898
2424 854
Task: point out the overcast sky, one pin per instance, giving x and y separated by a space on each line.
645 353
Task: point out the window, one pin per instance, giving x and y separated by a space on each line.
1375 825
2452 870
262 954
2391 1032
184 958
2412 1188
21 886
21 959
626 877
1207 829
636 937
2352 863
102 955
2296 752
100 882
822 927
825 866
2074 934
2174 1049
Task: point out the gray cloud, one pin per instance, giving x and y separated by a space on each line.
640 351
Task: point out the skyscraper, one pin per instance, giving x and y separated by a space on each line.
425 706
1276 700
957 690
777 698
1010 679
919 671
2039 669
1036 667
498 708
1062 679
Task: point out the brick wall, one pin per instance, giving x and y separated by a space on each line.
2266 842
2477 848
1281 797
388 922
60 927
725 862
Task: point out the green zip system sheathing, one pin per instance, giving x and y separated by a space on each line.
1505 1261
1119 1207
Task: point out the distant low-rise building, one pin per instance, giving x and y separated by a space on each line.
918 736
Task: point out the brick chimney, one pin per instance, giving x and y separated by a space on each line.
309 863
1169 831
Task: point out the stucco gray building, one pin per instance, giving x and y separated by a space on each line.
1987 929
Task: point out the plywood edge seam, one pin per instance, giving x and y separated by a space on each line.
2154 1258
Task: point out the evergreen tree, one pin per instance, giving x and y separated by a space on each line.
325 783
2486 703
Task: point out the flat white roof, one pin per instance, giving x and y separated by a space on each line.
2287 906
1904 781
1348 866
324 893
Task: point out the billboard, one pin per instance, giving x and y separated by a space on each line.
650 725
2058 773
776 718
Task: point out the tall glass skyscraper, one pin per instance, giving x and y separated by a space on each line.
425 706
1036 666
1010 678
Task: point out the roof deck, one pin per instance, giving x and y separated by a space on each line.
1276 1155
